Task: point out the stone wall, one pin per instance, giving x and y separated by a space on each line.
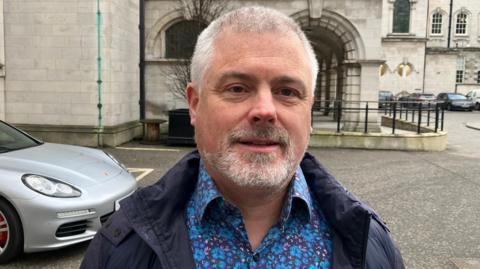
2 65
471 38
440 72
401 51
121 53
51 61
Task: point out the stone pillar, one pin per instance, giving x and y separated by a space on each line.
315 8
327 88
351 95
362 88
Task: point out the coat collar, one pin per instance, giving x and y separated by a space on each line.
157 212
349 217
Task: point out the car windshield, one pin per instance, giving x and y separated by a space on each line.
456 97
12 139
385 94
427 96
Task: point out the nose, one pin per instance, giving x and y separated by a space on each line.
263 109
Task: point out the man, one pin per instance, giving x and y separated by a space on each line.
250 196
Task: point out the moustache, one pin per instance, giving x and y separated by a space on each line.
271 134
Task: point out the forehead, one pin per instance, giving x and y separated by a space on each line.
269 43
280 52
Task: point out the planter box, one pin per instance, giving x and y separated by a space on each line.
180 131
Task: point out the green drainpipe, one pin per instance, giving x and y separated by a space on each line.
99 76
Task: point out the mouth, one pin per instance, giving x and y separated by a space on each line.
259 145
258 142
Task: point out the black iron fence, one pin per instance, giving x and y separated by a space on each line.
420 117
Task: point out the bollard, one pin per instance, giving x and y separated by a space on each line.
394 117
419 117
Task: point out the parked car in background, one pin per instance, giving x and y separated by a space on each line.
385 98
413 100
54 195
402 96
474 96
455 101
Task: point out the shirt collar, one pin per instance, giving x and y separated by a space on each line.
298 190
206 192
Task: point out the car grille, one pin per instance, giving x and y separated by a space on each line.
105 217
72 228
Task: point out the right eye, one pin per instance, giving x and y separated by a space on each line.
236 89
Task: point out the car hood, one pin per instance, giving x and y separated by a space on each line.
79 166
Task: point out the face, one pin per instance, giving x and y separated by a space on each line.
252 113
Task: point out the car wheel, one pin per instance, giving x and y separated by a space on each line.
449 107
477 106
11 234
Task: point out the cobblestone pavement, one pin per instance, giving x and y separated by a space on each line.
429 200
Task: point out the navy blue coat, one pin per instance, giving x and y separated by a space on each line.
149 230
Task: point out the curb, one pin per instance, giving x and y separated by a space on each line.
473 125
466 263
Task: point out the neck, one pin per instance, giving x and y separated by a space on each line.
260 208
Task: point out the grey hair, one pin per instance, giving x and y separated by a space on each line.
246 19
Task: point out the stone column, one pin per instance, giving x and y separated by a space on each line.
365 80
315 8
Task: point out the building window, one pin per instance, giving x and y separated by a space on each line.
437 23
461 25
478 77
459 78
460 70
401 16
180 39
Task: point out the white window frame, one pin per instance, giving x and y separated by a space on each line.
468 15
433 23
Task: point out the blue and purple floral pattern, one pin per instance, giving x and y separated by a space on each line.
218 238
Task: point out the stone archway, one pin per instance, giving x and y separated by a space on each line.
154 46
341 55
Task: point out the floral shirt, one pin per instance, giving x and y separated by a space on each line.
218 238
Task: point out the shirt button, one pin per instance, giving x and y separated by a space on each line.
256 257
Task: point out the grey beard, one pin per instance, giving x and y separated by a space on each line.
254 170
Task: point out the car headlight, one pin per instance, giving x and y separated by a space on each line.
116 161
49 186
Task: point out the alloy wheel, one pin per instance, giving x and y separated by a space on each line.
4 232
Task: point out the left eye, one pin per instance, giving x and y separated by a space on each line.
236 89
287 92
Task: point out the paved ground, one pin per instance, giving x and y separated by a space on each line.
429 200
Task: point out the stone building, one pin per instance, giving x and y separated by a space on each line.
438 50
51 51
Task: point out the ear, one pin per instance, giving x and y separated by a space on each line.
192 98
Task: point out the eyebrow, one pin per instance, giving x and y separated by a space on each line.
234 75
290 80
283 79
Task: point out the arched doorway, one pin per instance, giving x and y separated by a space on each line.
341 53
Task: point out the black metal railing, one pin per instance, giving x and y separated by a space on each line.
420 117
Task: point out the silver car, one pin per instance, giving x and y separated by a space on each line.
54 195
